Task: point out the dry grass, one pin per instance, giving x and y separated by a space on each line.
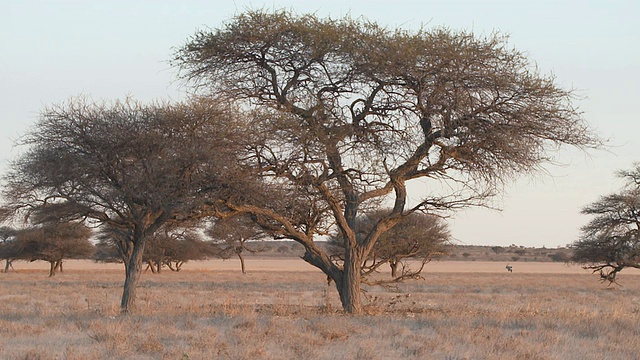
291 315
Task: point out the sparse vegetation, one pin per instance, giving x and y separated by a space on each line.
291 315
505 254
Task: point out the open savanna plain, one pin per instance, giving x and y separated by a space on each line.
283 309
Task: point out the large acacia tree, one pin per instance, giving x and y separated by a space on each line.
345 113
610 241
129 167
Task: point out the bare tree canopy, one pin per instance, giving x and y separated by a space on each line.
129 166
346 112
610 241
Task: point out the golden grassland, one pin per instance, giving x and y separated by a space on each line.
283 309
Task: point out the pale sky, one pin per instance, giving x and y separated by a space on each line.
53 50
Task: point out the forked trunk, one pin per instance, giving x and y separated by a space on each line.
7 265
133 269
151 267
58 267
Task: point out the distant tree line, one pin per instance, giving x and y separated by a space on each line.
55 242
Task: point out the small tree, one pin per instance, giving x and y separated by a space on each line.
230 237
174 248
130 167
418 236
497 249
610 241
187 249
561 256
8 249
54 242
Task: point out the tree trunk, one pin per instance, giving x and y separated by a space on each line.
133 269
7 265
58 267
349 288
242 263
394 268
158 266
52 268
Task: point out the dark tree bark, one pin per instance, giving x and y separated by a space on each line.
133 270
52 268
242 267
58 267
7 265
350 285
394 268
